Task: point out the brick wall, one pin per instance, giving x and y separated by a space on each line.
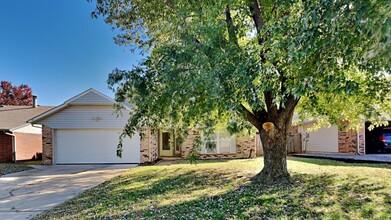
188 143
47 146
148 146
6 154
245 147
347 141
27 145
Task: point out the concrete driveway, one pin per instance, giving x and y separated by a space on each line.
28 193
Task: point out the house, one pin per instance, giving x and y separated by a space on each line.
334 140
20 140
85 129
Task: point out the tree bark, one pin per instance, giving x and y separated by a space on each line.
274 143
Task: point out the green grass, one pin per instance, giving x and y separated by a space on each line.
7 168
323 189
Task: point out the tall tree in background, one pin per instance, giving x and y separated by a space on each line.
253 63
15 95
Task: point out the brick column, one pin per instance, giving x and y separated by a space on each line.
6 154
361 138
347 141
47 145
188 143
148 146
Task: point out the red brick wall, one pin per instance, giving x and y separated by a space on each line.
5 148
347 141
27 145
245 147
47 147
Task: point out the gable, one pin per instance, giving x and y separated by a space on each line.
91 98
86 116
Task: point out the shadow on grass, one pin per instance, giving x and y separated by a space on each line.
328 162
310 198
317 161
200 161
172 194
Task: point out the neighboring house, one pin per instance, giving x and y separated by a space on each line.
334 140
85 129
20 140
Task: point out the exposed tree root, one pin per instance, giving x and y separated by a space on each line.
269 178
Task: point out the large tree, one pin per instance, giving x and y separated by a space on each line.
15 95
251 63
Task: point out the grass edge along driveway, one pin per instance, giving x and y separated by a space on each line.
324 189
8 168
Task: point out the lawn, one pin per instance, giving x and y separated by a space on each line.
323 189
7 168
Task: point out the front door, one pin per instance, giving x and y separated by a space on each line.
166 145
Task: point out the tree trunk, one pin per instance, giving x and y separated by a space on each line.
274 143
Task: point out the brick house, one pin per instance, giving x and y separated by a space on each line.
84 130
334 140
155 145
20 140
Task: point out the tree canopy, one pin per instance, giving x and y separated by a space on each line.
15 95
247 62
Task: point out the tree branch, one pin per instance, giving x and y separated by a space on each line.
282 86
230 26
255 11
270 107
252 118
290 103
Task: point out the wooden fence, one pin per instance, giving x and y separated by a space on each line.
294 144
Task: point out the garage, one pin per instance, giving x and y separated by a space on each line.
378 139
324 139
76 146
85 130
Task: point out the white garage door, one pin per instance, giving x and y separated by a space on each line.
323 140
94 146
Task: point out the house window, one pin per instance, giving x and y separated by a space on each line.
221 142
165 140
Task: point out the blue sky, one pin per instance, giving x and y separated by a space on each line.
56 48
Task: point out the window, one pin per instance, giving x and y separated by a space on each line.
165 140
221 142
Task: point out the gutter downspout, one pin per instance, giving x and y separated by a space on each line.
13 145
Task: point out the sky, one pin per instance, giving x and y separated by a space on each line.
56 48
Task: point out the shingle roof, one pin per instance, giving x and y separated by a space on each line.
15 116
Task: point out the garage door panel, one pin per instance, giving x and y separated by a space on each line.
94 146
323 140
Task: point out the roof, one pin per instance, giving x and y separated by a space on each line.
88 97
14 117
